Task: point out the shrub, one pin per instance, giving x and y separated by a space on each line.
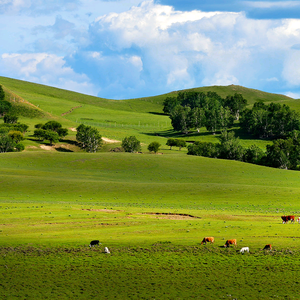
154 147
131 144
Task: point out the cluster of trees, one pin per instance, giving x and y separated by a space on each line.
51 131
176 143
283 153
273 120
193 110
89 138
10 137
6 109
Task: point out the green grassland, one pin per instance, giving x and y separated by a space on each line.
151 211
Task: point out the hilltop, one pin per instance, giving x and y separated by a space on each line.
115 119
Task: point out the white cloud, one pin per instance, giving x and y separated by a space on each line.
45 69
292 95
291 70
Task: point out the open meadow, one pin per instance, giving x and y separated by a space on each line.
151 210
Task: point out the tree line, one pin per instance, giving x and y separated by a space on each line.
193 110
282 153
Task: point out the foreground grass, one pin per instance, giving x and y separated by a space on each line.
157 272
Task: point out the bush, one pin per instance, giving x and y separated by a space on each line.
10 118
19 147
131 144
89 137
16 136
154 147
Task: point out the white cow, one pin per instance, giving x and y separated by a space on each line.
244 249
106 250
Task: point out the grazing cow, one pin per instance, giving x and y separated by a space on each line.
106 250
285 219
298 220
244 249
94 243
208 240
268 247
230 242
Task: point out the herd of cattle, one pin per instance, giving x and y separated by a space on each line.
211 239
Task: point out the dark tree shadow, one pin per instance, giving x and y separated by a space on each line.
61 149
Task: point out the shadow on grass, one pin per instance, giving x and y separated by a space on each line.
61 149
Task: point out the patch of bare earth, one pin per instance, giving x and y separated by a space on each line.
109 141
172 216
48 148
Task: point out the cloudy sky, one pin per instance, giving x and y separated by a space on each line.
122 49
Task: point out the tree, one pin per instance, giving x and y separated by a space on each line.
197 118
39 134
230 147
154 147
10 118
180 118
171 143
253 155
279 154
56 127
236 104
89 137
16 136
5 107
169 104
131 144
51 136
52 125
19 147
180 143
6 144
2 94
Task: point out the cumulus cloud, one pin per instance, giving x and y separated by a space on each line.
45 69
177 50
152 49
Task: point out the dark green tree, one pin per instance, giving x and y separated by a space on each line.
171 143
180 143
131 144
169 104
253 155
2 94
5 107
230 147
10 118
6 144
154 147
89 137
16 136
236 104
180 118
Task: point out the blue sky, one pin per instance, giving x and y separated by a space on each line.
130 48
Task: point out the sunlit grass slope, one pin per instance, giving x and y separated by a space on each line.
69 198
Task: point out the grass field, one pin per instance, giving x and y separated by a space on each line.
151 211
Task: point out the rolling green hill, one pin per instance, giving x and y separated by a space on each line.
152 211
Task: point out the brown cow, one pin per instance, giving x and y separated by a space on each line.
285 219
268 247
230 242
208 240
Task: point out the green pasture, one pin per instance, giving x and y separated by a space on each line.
54 198
151 211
